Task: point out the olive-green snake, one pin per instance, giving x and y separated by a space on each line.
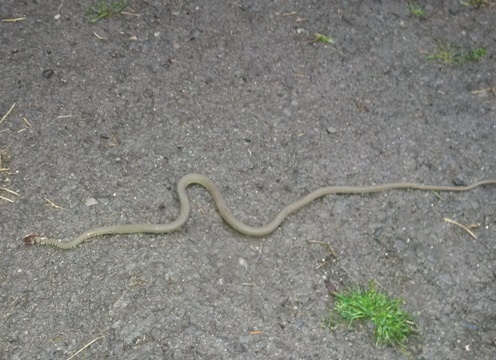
229 217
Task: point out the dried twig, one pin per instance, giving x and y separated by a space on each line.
27 122
6 199
84 347
100 37
462 226
54 205
7 114
490 89
14 20
60 6
10 192
327 246
3 156
12 306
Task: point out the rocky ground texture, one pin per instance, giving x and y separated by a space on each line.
107 116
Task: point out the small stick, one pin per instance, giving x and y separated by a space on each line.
491 89
84 347
8 112
326 245
55 205
462 226
60 6
128 13
14 20
437 195
26 121
12 305
100 37
6 199
9 191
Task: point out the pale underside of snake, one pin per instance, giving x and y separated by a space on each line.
229 217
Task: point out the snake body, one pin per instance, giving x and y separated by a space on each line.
204 181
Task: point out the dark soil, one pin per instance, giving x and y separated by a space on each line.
114 113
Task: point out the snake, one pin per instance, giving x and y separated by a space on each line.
226 214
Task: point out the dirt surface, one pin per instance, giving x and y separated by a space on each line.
109 116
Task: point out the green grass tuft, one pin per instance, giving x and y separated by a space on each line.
477 3
416 10
450 53
392 325
104 10
323 39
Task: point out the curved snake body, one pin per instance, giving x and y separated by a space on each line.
229 217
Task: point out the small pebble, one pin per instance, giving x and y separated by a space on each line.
471 326
194 33
48 73
246 339
239 348
433 256
90 202
400 245
459 182
243 262
299 323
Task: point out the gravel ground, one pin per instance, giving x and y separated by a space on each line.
109 116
